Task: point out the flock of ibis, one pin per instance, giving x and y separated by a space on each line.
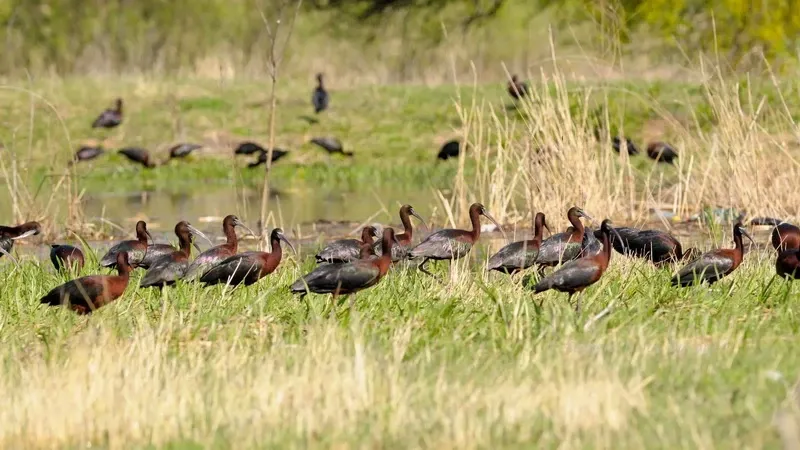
579 257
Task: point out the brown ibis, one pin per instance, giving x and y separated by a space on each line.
85 295
564 246
168 269
575 276
521 254
66 257
346 250
517 89
656 246
134 248
348 278
331 145
86 153
617 144
183 150
785 236
109 118
139 156
788 264
662 152
450 149
711 266
10 234
320 98
451 244
248 148
217 254
404 239
248 267
277 154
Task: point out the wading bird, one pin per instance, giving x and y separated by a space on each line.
138 155
109 118
575 276
788 264
711 266
134 248
785 236
10 234
630 147
656 246
87 294
248 267
662 152
404 239
450 149
517 89
331 145
87 153
183 150
346 250
320 97
564 246
66 257
451 244
170 268
262 157
248 148
217 254
521 254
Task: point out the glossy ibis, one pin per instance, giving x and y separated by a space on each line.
320 98
351 277
564 246
450 149
86 153
712 266
138 155
404 239
331 145
517 89
10 234
277 154
109 118
168 269
85 295
248 148
134 248
346 250
66 257
662 152
657 246
630 147
214 255
785 236
788 264
451 244
248 267
575 276
183 150
521 254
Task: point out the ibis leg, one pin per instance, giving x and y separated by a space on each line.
421 267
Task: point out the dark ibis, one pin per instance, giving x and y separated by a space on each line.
277 154
153 253
320 97
617 144
711 266
331 145
521 254
66 257
109 118
87 294
451 244
10 234
662 152
248 148
348 278
139 156
134 248
248 267
183 150
216 254
788 264
86 153
517 89
450 149
168 269
785 236
656 246
346 250
575 276
564 246
404 239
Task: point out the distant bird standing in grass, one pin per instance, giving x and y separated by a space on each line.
451 244
662 152
712 266
109 118
575 276
138 155
134 248
248 267
346 250
521 254
66 257
404 239
172 267
183 150
331 145
320 97
617 144
277 154
657 246
565 246
517 89
10 234
216 254
248 148
86 153
450 149
88 294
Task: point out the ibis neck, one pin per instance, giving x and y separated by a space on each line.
276 251
538 232
475 218
739 243
408 229
141 236
185 244
577 227
230 237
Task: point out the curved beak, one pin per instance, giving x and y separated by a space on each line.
414 213
197 232
746 234
239 223
4 252
25 234
546 227
283 238
616 234
152 241
583 213
491 219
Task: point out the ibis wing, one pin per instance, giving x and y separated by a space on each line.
237 268
343 250
571 276
444 244
556 248
517 255
164 270
81 290
207 260
709 267
342 277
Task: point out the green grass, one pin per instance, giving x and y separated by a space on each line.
474 362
